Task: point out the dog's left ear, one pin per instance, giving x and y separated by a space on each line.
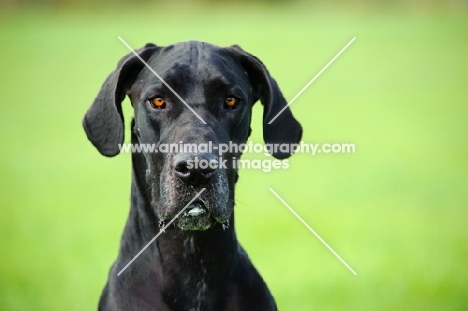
104 121
285 129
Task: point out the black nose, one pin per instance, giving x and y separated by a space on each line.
195 169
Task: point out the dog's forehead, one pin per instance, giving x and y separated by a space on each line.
195 58
187 47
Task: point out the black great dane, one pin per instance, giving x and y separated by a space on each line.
197 263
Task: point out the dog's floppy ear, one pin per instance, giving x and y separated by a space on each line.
285 129
104 122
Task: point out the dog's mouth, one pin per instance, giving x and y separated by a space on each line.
195 217
196 209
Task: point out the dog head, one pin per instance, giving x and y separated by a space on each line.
190 100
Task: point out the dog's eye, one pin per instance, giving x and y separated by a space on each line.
158 103
230 103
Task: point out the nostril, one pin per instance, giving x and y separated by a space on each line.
181 167
209 169
207 174
195 169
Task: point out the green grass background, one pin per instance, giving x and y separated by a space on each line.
396 210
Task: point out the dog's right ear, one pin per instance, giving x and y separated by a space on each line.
104 122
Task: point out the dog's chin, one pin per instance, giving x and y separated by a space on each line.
195 218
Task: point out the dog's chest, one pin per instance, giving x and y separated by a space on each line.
196 280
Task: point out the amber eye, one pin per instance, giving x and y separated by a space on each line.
230 102
158 102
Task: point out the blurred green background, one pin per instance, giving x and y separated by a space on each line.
396 210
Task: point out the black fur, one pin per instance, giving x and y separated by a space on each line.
197 264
